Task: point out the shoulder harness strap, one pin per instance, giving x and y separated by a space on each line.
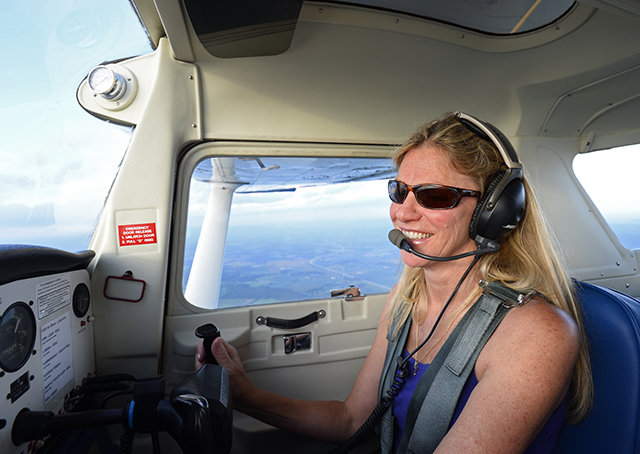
434 401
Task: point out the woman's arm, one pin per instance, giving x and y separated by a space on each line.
524 372
329 421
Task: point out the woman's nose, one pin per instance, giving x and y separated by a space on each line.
409 210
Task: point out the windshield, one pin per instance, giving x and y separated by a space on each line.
57 162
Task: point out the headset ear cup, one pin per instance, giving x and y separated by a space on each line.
502 219
474 228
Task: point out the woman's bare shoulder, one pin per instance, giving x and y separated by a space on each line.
535 332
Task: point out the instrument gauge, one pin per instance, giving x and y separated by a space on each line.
81 300
17 336
105 82
101 79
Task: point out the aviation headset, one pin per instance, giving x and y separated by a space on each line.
502 206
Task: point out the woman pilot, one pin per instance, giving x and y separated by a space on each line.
527 369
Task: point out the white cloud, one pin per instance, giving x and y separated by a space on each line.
362 200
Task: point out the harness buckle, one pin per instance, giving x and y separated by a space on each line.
508 296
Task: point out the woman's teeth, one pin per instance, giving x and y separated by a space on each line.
416 235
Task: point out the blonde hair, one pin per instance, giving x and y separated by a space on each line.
527 258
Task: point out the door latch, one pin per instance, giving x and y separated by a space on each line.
351 293
297 342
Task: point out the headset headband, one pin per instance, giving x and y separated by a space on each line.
491 134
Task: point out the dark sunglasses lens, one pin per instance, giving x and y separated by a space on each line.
437 198
397 191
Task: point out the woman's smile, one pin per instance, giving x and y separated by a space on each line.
412 235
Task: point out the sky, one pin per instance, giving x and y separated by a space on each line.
365 200
611 180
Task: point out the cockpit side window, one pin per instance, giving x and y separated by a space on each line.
268 230
610 177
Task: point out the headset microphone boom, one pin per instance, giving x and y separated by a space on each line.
400 240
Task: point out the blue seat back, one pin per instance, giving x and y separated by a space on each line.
612 321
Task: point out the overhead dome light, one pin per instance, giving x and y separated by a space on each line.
113 86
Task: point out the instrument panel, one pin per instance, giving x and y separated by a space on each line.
46 346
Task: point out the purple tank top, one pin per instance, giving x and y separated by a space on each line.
545 443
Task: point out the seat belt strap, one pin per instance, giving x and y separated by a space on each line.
433 403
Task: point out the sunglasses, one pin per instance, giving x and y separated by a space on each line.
430 196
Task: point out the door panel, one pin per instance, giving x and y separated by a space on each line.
340 343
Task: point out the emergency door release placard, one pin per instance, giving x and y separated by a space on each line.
136 234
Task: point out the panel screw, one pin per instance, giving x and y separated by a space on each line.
193 125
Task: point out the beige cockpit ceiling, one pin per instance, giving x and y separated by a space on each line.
568 70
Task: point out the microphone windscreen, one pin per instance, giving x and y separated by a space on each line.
397 237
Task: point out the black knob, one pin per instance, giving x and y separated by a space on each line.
208 332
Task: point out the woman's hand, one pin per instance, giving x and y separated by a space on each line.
227 356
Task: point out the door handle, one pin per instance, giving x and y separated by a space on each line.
282 323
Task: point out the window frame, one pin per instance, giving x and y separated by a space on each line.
177 303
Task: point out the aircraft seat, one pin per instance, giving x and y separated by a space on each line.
612 322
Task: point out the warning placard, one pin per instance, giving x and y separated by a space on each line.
53 294
136 234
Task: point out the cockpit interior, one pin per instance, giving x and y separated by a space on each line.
176 170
